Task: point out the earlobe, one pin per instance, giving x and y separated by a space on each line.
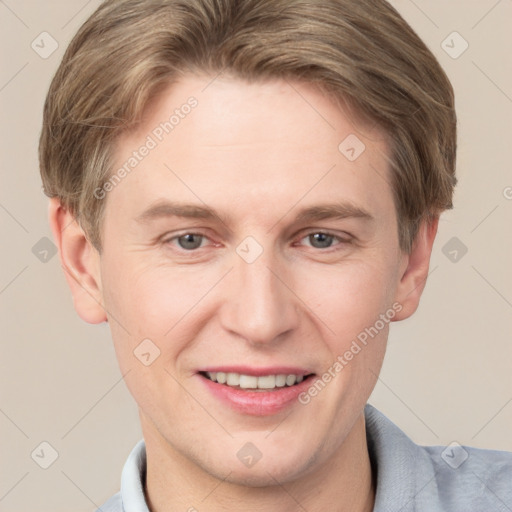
415 273
80 263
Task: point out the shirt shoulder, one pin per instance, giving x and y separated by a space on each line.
114 504
467 476
453 478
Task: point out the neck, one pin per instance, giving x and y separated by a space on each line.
174 482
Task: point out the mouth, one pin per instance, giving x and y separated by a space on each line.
262 392
247 382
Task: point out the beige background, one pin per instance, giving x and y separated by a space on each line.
447 374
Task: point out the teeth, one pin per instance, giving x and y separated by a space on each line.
253 382
248 382
267 382
280 381
233 379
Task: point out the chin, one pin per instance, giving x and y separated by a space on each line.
272 469
261 477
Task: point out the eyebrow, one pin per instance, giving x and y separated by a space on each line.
334 211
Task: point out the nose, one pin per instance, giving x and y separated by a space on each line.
260 305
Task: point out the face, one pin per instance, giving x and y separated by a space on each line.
246 242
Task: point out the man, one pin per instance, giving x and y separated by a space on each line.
248 192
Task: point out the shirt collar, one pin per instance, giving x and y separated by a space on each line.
133 479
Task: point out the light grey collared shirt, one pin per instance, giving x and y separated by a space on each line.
410 478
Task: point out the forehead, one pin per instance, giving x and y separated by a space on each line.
248 110
221 139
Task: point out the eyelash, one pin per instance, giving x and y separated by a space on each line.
342 241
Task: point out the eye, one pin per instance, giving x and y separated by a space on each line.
322 240
188 241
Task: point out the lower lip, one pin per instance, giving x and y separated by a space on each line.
257 403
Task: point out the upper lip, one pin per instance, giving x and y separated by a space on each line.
251 370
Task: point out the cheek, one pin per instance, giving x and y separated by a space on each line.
145 305
148 301
348 297
145 297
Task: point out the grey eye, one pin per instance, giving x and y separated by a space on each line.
323 239
187 241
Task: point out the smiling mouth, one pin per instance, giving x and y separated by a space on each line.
255 383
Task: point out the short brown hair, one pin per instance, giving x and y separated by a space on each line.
360 51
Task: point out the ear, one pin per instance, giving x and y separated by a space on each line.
80 261
414 270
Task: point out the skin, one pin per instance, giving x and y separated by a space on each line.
257 153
